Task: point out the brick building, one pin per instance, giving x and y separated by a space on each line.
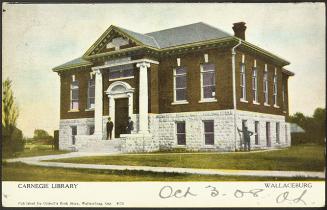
186 87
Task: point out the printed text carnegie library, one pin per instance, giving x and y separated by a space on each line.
46 185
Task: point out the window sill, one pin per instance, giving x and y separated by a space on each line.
276 106
73 110
208 100
89 110
122 78
265 104
256 103
179 102
243 100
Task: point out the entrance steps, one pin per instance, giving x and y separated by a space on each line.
100 146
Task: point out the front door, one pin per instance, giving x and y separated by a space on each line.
121 116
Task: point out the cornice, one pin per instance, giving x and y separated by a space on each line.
228 41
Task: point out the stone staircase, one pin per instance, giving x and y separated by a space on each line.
99 146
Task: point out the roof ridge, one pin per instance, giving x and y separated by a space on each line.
217 28
139 34
173 28
153 39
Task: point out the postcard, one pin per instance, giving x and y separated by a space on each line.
163 105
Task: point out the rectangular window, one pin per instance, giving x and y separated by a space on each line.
268 134
256 132
277 132
74 133
243 82
284 93
265 86
275 89
286 134
255 85
91 94
208 78
244 122
122 71
180 132
180 84
74 92
209 132
91 129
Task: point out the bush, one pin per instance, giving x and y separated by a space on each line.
12 144
56 139
299 138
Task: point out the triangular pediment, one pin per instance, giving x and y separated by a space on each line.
113 39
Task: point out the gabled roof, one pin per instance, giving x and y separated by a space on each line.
195 32
295 128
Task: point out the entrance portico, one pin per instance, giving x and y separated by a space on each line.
121 89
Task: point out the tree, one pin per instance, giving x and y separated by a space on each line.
40 133
299 119
42 137
319 117
314 127
12 137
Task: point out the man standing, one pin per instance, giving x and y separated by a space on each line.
130 126
246 137
110 126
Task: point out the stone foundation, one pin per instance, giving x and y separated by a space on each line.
162 132
251 117
138 143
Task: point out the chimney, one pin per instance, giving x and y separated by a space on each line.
239 30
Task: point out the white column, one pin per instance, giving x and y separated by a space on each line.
98 128
143 97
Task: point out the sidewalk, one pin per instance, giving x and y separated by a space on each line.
224 172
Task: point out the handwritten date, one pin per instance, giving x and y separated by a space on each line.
167 192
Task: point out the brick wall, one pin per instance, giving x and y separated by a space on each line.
192 62
250 106
160 79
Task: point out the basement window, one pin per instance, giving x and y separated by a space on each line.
208 132
180 132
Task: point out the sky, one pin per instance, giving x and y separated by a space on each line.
38 37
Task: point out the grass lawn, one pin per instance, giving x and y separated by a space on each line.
296 158
24 172
36 150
